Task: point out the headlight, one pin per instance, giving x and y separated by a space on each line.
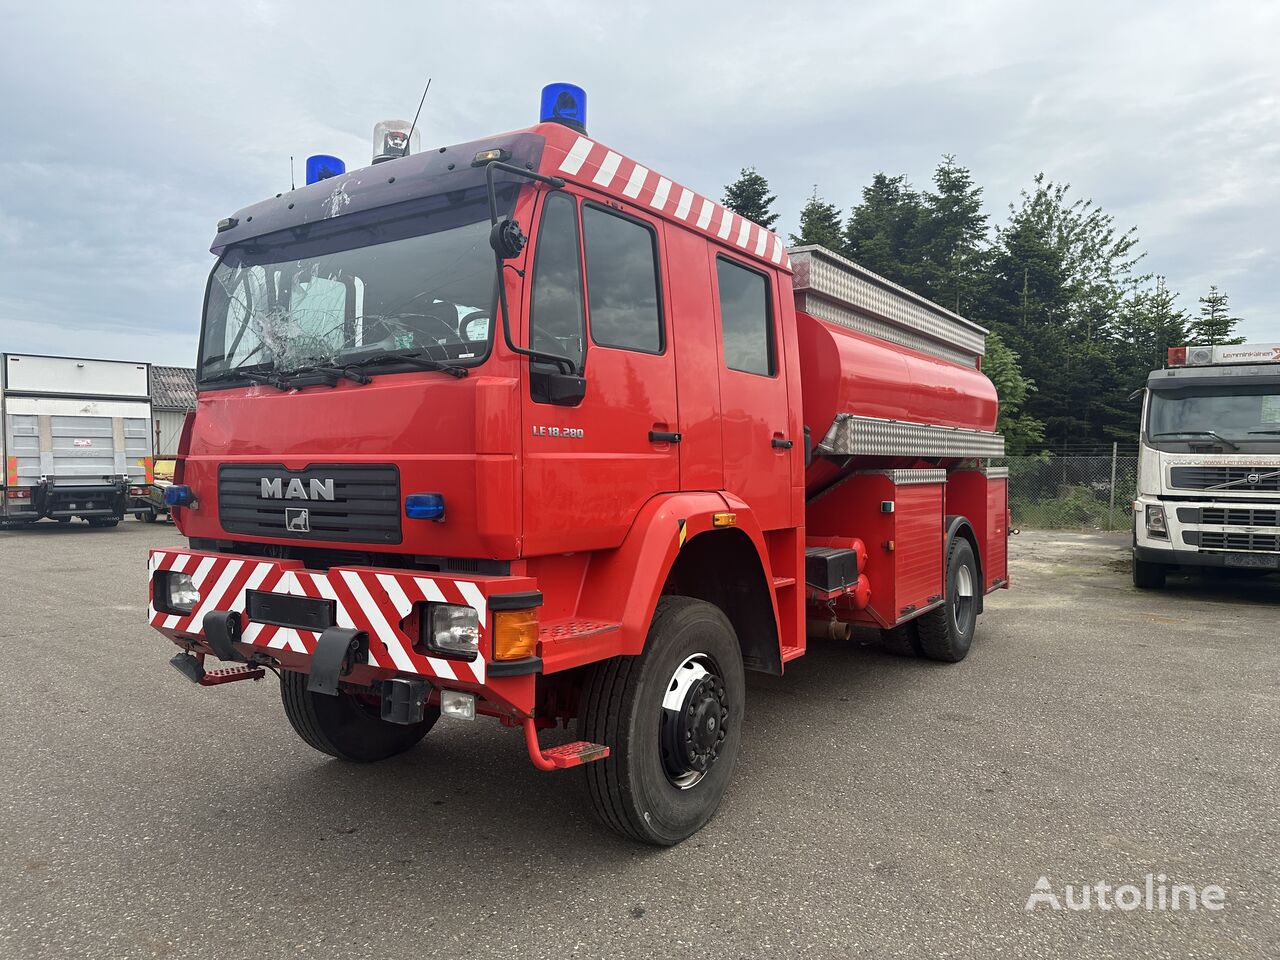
1155 521
180 594
454 630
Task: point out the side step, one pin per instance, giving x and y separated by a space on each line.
193 670
564 756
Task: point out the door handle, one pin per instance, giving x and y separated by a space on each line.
782 444
661 436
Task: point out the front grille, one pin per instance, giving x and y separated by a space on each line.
1241 542
1238 517
365 507
1205 478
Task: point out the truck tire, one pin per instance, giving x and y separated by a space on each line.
672 719
149 516
946 632
904 640
345 727
103 523
1146 575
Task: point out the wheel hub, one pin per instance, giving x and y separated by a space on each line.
694 715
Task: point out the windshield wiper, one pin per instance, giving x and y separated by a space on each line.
1198 433
316 374
256 376
416 357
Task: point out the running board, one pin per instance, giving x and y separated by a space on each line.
564 756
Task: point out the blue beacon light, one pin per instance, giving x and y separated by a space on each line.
322 167
565 103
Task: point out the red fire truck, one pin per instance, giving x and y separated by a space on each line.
522 428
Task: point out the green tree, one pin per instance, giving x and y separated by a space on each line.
1021 431
948 245
881 230
1215 325
1147 325
820 224
749 197
1060 272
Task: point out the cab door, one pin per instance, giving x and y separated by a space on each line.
595 295
759 450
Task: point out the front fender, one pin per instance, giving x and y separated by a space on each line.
624 585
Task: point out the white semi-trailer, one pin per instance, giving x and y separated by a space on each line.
1209 463
75 439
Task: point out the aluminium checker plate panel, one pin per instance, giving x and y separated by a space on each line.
839 291
852 435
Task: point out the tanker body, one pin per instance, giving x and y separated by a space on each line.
521 428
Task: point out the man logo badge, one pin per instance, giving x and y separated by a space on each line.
273 488
297 520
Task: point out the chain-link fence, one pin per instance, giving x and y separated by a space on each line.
1072 492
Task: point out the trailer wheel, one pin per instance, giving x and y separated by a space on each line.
344 726
946 632
672 719
1148 576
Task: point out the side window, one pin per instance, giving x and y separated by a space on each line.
555 309
622 282
745 319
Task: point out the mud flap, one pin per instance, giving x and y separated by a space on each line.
221 632
336 651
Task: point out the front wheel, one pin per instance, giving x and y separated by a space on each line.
1147 576
672 719
347 726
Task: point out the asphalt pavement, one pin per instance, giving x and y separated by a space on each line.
882 807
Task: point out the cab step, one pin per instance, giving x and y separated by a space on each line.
213 678
564 756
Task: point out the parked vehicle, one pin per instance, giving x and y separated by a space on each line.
663 451
76 439
161 481
1209 463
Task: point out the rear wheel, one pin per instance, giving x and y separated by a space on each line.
672 719
148 517
103 522
904 640
1147 576
946 632
346 726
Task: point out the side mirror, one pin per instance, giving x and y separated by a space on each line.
507 239
562 389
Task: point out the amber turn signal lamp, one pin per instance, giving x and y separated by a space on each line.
515 634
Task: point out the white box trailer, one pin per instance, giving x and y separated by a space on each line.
75 438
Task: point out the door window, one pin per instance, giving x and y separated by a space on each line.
555 309
746 321
622 282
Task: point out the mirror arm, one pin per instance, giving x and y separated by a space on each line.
562 363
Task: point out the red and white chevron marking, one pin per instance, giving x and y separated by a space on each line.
596 165
368 600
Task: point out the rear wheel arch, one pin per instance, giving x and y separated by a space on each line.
959 526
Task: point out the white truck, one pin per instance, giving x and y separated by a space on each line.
75 439
1209 463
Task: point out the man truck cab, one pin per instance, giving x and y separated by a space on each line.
522 428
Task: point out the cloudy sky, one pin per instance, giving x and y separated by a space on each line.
131 128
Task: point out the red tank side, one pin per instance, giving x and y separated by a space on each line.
843 371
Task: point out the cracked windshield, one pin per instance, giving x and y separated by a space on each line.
421 285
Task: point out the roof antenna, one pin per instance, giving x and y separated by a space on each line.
409 138
293 185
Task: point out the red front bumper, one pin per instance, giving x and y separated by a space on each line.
372 600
